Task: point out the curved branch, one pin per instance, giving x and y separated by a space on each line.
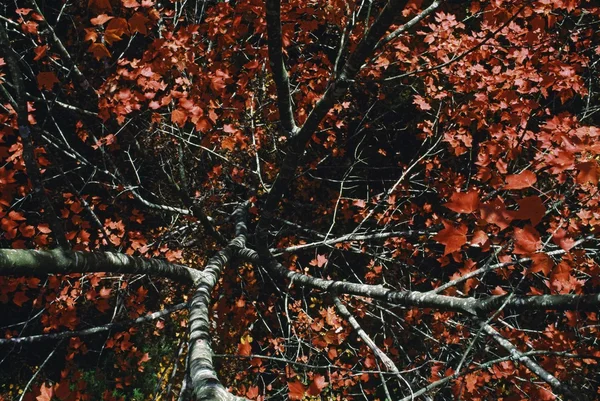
92 330
280 75
24 262
332 94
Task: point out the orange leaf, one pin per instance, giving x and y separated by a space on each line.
118 26
40 52
588 172
46 80
452 237
527 240
244 349
228 143
46 393
252 392
495 213
20 298
466 202
100 19
530 208
137 23
297 390
519 181
62 390
130 3
317 385
27 231
540 262
178 117
98 50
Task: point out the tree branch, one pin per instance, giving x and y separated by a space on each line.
92 330
334 92
33 171
280 75
530 363
23 262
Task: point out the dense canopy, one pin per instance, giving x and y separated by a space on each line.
299 200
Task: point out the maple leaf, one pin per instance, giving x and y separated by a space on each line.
137 23
561 238
317 385
540 262
98 50
130 3
588 172
452 237
252 392
62 390
319 261
46 80
27 231
46 393
228 143
471 382
118 27
527 240
40 52
495 212
100 19
422 103
480 238
297 390
463 202
520 181
530 208
178 117
19 298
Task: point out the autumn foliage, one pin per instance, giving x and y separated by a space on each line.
360 200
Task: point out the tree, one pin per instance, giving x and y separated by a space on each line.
292 200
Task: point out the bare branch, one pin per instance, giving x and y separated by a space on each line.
334 92
93 330
403 28
530 363
280 75
33 171
24 262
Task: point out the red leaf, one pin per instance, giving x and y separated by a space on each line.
130 3
527 240
27 231
100 19
480 238
320 261
588 172
297 390
530 208
46 393
495 213
46 80
20 298
40 52
98 50
465 202
178 117
228 143
62 390
452 237
519 181
252 392
561 239
317 385
540 262
422 103
137 23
